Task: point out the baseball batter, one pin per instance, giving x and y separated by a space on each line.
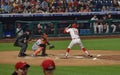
73 31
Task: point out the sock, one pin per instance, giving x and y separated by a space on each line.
84 50
67 51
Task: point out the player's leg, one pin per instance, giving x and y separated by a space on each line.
69 48
84 49
35 53
22 50
44 50
40 47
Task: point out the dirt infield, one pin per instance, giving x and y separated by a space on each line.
76 58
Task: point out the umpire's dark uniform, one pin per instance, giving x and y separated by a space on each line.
22 41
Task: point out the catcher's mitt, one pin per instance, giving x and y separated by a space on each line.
51 46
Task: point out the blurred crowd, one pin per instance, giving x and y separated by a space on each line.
57 6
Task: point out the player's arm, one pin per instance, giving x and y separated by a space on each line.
65 30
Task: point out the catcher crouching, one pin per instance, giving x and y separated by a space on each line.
40 45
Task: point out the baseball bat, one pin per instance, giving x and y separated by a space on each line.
69 26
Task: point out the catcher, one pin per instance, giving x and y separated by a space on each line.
40 45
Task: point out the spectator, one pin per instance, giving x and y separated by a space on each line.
75 3
81 9
87 9
119 3
118 28
100 27
10 7
112 26
94 17
70 9
48 66
87 5
50 29
116 5
38 30
33 2
103 19
44 5
105 28
21 68
4 7
95 27
105 8
95 24
109 16
69 2
26 4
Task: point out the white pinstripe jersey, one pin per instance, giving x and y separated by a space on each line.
73 33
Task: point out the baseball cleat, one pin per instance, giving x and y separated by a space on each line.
90 55
21 56
44 54
66 57
24 54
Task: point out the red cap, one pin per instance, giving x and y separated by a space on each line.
74 25
48 64
21 64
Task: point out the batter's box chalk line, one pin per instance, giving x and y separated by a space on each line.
72 57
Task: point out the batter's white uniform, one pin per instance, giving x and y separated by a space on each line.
75 37
36 45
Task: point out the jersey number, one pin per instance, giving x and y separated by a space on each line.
75 32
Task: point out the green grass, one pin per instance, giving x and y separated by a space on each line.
6 69
93 44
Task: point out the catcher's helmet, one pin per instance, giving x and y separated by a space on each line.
74 25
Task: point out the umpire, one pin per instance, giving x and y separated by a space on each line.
22 41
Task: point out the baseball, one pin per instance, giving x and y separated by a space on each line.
98 55
94 58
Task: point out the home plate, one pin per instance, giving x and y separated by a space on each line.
72 57
79 57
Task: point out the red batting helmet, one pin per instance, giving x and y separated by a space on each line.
21 64
48 64
74 25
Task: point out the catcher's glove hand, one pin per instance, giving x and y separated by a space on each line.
51 46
